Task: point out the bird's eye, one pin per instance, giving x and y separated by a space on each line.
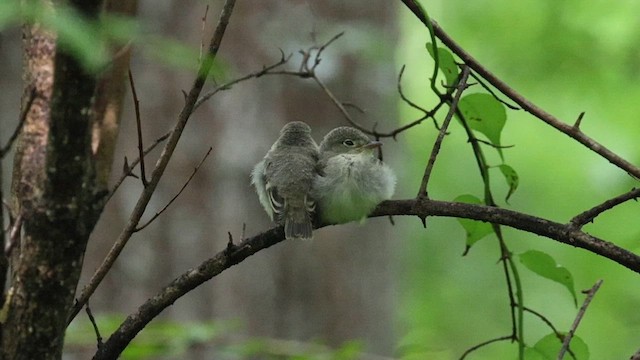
348 143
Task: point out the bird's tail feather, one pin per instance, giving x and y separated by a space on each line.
297 225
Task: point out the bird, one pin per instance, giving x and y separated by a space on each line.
351 180
284 177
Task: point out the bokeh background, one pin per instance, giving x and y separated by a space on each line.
387 291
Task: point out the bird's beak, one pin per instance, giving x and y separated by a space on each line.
372 145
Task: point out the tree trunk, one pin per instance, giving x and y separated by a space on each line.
58 187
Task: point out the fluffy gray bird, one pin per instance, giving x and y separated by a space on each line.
283 180
352 181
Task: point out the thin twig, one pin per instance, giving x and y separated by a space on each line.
590 294
493 93
588 216
523 102
128 168
21 121
204 24
195 170
339 105
161 164
462 85
402 95
136 105
576 125
482 344
95 326
266 70
548 322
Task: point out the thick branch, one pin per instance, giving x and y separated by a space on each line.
235 254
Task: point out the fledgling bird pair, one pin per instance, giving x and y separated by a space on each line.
342 178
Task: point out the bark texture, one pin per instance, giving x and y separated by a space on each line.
55 188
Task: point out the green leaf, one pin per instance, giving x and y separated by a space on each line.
446 64
544 265
475 230
511 176
549 346
484 114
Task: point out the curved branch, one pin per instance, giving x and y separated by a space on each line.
234 254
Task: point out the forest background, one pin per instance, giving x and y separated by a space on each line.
392 290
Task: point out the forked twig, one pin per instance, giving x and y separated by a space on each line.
158 171
462 85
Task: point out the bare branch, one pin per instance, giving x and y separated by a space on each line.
462 85
412 207
339 105
161 165
590 294
204 24
485 343
195 170
523 102
588 216
136 105
127 170
95 326
267 70
576 125
490 91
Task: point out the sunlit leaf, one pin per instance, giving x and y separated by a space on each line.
544 265
446 64
511 176
484 114
549 346
475 230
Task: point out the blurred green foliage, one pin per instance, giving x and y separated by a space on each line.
567 57
164 339
93 41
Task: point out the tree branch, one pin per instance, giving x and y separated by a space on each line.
184 186
590 294
462 86
524 103
162 162
415 207
588 216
